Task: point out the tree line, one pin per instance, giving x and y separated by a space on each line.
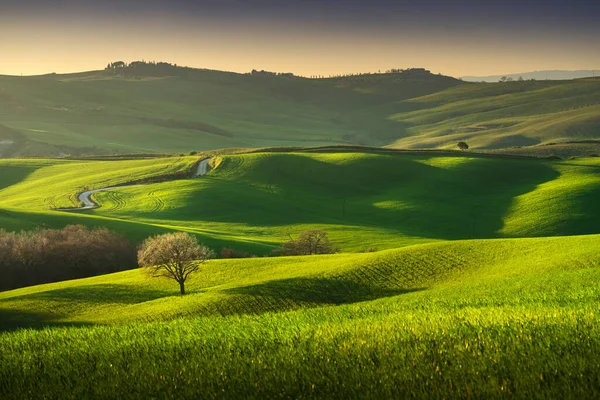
162 69
52 255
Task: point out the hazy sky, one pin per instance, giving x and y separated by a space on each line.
307 37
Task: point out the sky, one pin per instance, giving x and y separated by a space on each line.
306 37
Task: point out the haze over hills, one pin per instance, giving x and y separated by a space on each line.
553 75
150 108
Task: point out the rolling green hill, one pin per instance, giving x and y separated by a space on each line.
101 113
485 284
480 318
503 115
254 201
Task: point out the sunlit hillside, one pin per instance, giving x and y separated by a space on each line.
255 201
468 318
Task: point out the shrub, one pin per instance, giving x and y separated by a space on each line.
228 252
310 242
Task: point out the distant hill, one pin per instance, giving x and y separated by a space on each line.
502 115
145 108
163 108
554 75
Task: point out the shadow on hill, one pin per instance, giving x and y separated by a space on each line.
98 294
12 174
12 320
291 293
581 221
464 200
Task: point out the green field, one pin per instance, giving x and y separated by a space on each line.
253 202
485 283
484 318
100 113
500 115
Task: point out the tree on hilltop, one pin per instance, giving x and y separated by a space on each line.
173 255
463 145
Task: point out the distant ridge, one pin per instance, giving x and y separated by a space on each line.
553 75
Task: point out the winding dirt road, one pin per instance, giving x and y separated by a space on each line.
202 167
88 203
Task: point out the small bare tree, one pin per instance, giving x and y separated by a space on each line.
173 255
310 242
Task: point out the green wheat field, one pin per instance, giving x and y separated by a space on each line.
460 274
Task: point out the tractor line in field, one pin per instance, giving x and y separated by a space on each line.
88 203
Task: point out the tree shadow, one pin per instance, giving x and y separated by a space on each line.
12 320
97 294
317 291
12 174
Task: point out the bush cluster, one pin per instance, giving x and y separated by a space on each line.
228 252
51 255
310 242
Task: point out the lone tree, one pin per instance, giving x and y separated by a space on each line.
310 242
173 255
463 145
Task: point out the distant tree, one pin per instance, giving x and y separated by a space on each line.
463 145
173 255
520 79
310 242
503 79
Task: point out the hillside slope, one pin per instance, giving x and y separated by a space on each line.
95 113
502 115
100 112
253 202
255 286
473 318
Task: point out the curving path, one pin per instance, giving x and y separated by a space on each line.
88 203
202 167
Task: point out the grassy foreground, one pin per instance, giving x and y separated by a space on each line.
470 299
490 318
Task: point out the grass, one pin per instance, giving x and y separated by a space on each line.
253 202
97 113
500 115
491 318
486 285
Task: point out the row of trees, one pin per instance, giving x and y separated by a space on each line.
158 69
511 79
406 71
50 255
262 72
